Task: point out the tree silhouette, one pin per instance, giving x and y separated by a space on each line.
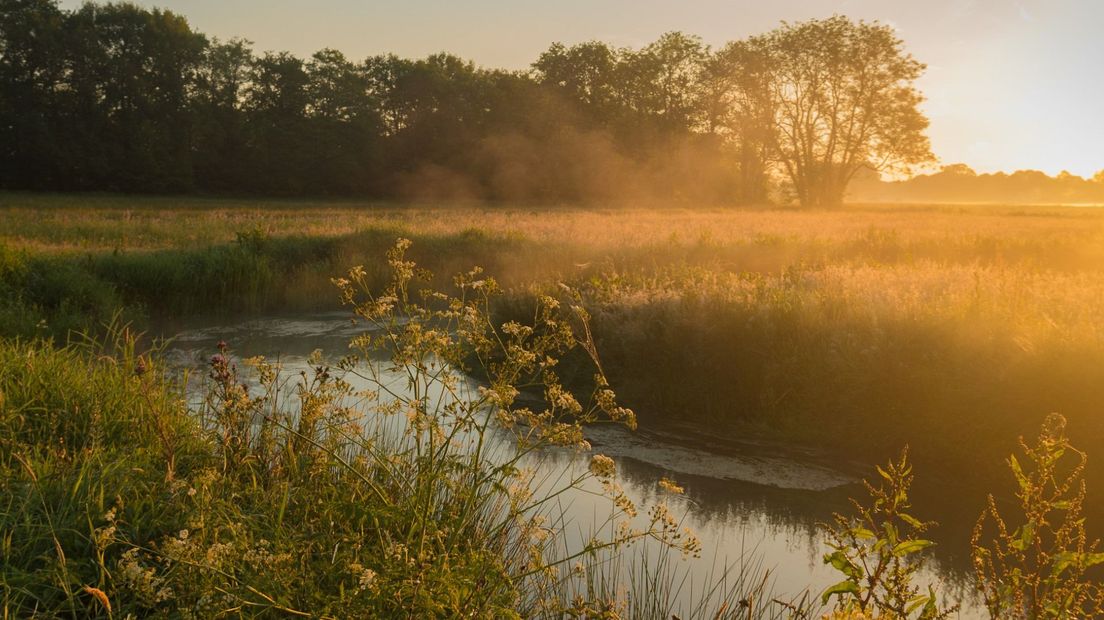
121 98
840 97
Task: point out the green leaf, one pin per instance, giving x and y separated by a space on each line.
841 588
915 603
883 473
1061 561
862 532
843 564
906 547
1092 559
911 520
891 534
1024 537
931 610
1018 472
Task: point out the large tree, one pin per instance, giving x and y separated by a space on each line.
583 73
737 105
130 73
841 97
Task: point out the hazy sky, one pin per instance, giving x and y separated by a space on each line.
1010 84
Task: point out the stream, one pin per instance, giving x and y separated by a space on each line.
755 505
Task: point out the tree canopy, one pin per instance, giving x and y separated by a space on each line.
832 97
117 97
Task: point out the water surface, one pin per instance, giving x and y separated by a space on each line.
749 503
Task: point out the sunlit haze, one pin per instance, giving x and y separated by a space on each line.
785 309
1010 85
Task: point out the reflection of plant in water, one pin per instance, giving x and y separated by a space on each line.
879 552
1038 569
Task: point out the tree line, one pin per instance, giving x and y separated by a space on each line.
116 97
960 183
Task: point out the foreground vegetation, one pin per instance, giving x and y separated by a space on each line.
119 501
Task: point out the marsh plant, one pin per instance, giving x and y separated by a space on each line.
1038 565
390 484
415 496
878 550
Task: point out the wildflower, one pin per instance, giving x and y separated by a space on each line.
366 580
142 581
104 536
669 485
602 466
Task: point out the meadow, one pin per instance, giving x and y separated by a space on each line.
861 329
952 329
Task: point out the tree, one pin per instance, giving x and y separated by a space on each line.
583 73
738 106
344 125
662 80
132 70
221 157
841 96
121 98
437 107
31 66
276 107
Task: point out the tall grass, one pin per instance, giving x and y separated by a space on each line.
956 361
412 499
416 498
950 328
90 440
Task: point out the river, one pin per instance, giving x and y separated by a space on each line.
751 504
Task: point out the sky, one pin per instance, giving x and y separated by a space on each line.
1010 85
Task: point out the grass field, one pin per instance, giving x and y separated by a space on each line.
954 329
951 329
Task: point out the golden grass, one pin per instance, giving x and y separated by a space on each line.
869 326
90 223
